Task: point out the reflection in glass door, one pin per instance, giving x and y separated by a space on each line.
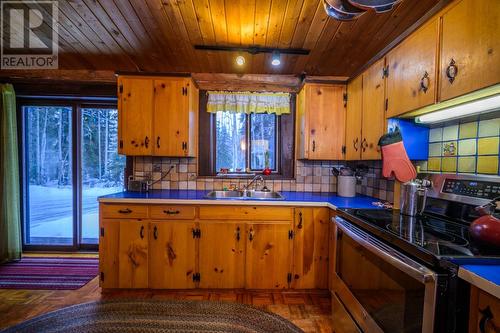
102 167
49 182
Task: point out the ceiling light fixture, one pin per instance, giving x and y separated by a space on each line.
488 104
240 60
276 61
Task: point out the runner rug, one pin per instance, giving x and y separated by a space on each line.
48 273
149 316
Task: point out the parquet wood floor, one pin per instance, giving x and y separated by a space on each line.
310 310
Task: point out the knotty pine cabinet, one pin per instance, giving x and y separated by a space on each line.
484 312
186 246
310 248
365 118
320 131
157 116
470 47
222 254
411 71
172 254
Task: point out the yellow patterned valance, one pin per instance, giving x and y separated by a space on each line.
248 102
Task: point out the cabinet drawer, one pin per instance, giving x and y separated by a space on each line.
246 213
124 211
172 212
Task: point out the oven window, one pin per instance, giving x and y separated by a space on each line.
394 300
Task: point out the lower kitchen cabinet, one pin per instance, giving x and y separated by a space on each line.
222 254
172 254
484 312
269 251
310 248
109 242
133 254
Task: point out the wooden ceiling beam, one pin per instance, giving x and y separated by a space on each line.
247 82
83 75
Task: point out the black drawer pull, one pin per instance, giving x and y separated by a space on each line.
125 211
170 212
141 233
155 233
299 226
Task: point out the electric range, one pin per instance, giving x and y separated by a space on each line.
397 273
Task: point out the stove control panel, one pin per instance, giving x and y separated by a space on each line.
472 188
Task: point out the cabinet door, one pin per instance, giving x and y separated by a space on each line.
470 40
353 119
373 119
411 80
222 254
171 117
172 255
109 240
326 112
310 248
268 256
135 114
133 254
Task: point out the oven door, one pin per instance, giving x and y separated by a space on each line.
382 289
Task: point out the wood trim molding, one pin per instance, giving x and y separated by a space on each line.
247 82
59 75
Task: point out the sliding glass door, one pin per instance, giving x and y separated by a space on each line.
49 202
102 167
70 159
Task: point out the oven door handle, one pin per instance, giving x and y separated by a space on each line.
387 253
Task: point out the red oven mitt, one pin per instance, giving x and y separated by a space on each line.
394 158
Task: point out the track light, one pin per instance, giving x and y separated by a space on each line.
240 60
276 61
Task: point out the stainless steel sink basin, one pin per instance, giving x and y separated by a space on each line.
244 195
225 195
264 195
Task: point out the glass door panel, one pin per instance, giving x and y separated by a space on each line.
49 182
102 168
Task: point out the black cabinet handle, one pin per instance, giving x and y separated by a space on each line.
364 144
238 234
169 212
299 226
141 233
314 145
452 70
158 142
155 233
146 142
355 144
487 316
125 211
425 82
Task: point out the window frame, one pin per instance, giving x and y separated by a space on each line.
76 104
285 144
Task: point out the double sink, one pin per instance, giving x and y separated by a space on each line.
245 195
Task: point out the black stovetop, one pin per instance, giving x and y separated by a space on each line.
427 236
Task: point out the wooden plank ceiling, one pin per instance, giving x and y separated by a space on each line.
159 35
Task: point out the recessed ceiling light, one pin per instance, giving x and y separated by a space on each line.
276 61
240 60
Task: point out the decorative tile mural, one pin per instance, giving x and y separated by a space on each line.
471 147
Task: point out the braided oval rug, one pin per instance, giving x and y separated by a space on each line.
150 316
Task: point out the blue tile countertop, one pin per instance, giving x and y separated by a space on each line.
483 276
198 197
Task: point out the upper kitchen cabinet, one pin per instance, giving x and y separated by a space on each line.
157 116
353 119
470 47
321 122
174 117
411 71
373 115
135 115
365 120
